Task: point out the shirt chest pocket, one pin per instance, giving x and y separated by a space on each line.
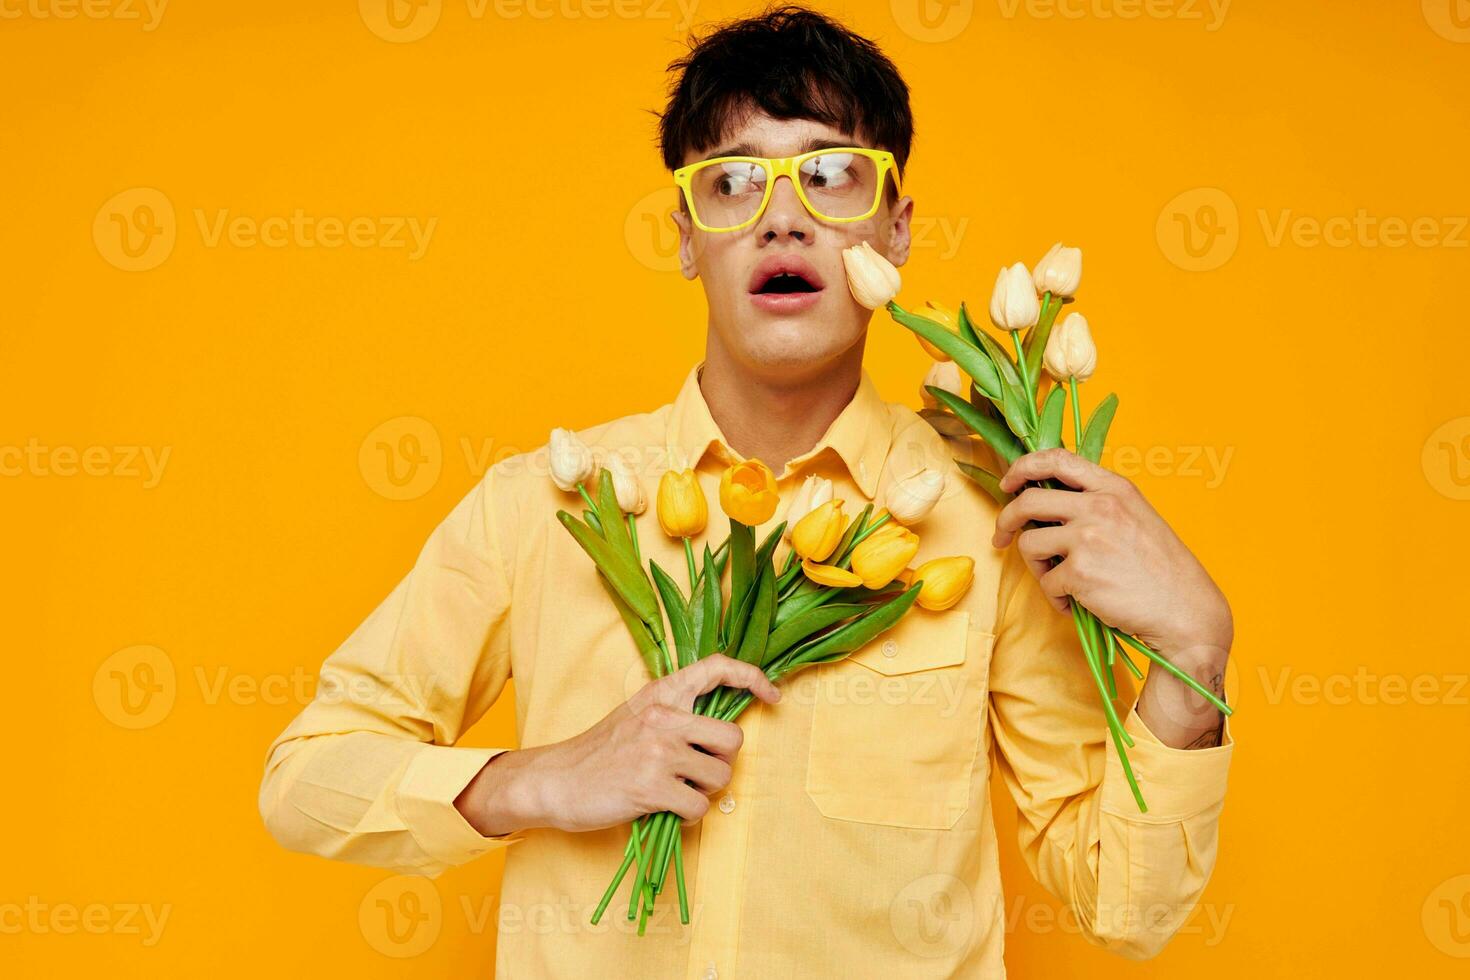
896 727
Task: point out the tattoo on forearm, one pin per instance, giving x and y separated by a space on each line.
1212 738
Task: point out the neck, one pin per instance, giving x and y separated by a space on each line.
776 420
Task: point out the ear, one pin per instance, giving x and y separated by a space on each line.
686 243
899 236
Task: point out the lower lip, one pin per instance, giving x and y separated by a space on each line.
785 302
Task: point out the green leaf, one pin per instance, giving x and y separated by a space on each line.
736 616
805 624
970 359
967 326
1095 433
742 563
987 481
994 432
758 629
591 518
855 634
1035 344
1049 434
1017 413
844 544
680 624
1001 359
629 580
648 650
709 638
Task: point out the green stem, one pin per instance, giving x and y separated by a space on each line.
693 573
633 533
679 877
1025 375
587 497
629 852
1115 727
1159 659
1076 415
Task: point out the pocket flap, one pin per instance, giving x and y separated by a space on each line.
921 640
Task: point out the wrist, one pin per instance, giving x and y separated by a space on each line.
504 797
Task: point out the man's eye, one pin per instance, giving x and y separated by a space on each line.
831 171
739 178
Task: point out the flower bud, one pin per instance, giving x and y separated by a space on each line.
912 498
813 493
570 458
943 316
748 492
627 486
838 578
946 375
879 558
1059 272
1013 302
1070 352
682 510
945 581
872 278
816 535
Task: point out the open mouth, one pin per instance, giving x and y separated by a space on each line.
787 282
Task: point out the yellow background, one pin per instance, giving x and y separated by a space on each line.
1323 376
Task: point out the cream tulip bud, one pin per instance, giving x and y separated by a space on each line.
571 460
1070 352
912 498
872 278
1059 272
626 485
1013 302
946 375
813 493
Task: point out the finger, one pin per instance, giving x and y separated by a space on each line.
1057 584
721 739
688 802
1041 544
704 771
1034 504
716 670
1055 464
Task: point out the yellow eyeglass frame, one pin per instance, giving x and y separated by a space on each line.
790 167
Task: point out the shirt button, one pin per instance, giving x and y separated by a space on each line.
726 805
710 974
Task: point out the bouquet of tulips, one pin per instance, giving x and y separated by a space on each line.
842 583
1009 407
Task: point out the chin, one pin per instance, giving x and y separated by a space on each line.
794 346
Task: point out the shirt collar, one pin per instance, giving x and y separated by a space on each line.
860 435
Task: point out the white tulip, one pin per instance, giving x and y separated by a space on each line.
1059 272
813 493
946 375
872 278
1013 302
913 497
1070 352
626 485
571 459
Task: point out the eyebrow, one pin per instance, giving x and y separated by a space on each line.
807 145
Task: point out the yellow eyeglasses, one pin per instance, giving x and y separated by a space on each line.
843 183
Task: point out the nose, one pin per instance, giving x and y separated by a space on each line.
785 215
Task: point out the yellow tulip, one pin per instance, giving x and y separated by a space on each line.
829 574
946 318
879 558
945 580
682 510
816 535
748 492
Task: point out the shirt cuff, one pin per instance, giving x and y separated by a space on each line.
1176 783
426 795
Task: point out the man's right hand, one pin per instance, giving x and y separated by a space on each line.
640 759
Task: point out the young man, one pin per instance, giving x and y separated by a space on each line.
851 832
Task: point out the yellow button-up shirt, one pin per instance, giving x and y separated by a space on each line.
856 838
